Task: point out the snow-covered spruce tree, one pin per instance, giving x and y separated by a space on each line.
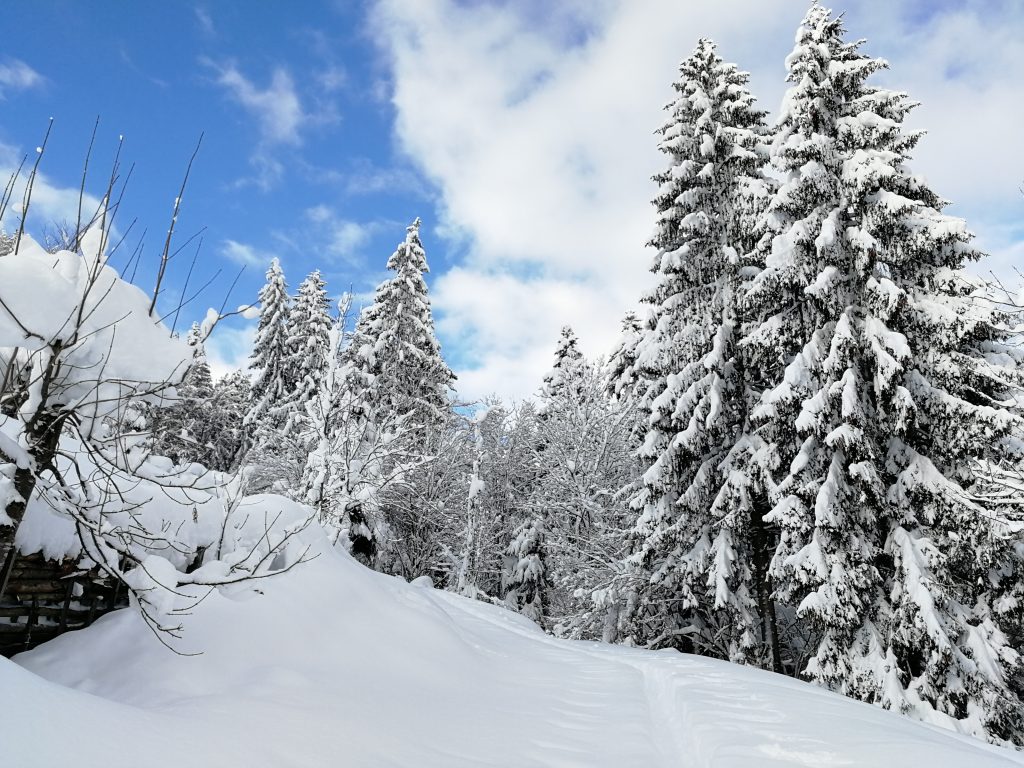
319 426
395 343
567 372
271 380
526 587
528 584
182 431
308 350
1002 482
701 546
228 408
270 453
888 390
396 353
621 374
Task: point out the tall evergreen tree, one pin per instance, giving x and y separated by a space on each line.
395 359
700 537
395 344
887 391
309 349
268 363
355 454
565 378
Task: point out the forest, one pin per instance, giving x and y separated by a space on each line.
804 454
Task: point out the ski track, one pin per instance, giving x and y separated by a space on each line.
684 702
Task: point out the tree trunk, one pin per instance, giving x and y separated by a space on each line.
43 437
24 484
762 541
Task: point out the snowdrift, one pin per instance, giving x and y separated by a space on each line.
334 665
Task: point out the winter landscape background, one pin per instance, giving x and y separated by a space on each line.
550 475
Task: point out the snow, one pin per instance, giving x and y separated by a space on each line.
108 341
333 664
61 278
186 500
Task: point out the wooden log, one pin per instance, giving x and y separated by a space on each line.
48 611
54 589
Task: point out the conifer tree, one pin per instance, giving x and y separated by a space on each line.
183 430
229 406
700 539
622 374
395 344
565 377
526 587
308 348
268 363
888 390
355 454
395 360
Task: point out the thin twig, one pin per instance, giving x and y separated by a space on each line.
170 230
27 199
81 189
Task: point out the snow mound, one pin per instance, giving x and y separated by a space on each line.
333 664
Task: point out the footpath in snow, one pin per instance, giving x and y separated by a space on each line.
334 665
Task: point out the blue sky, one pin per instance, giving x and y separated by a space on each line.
296 159
521 132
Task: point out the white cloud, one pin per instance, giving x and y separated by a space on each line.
537 131
319 214
365 178
228 348
247 255
543 152
279 115
341 239
205 22
332 78
16 75
347 237
268 171
277 108
51 203
507 325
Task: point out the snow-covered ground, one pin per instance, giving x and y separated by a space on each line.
334 665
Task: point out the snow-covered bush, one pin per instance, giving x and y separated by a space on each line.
85 358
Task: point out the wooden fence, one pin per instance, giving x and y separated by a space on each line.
45 598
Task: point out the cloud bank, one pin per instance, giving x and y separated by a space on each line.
536 126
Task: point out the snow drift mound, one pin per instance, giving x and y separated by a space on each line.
334 665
